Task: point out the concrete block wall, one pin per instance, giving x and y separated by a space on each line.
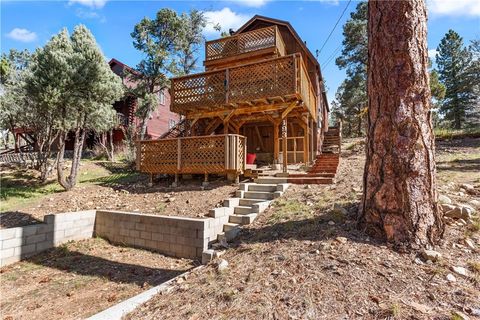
22 242
181 237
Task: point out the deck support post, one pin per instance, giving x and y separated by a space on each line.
276 143
312 146
284 144
306 142
175 182
150 180
205 181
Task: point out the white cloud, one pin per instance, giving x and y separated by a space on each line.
22 35
432 53
90 14
454 7
226 18
252 3
93 4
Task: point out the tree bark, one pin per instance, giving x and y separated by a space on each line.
69 182
399 199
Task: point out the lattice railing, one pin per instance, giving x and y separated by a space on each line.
284 76
246 42
193 155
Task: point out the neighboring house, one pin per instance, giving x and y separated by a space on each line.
161 120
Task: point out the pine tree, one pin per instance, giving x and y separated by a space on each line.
352 94
453 65
399 198
189 41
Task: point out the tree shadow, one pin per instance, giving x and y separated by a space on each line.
62 258
317 228
13 219
460 165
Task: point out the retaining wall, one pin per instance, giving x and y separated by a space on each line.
181 237
22 242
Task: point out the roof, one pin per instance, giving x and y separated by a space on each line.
296 36
114 61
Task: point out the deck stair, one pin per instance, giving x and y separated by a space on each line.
250 200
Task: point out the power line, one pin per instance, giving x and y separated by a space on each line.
329 59
335 26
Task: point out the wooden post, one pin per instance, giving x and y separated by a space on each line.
306 143
276 144
312 146
284 146
294 150
150 180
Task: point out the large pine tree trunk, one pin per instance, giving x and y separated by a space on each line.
399 200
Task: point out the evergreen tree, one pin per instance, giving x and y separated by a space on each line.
90 106
190 39
453 61
352 94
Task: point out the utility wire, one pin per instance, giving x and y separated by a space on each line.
330 58
335 26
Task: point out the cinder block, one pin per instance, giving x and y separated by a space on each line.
36 238
123 232
140 226
6 234
6 253
72 232
150 244
12 243
231 202
146 235
134 233
25 250
207 256
44 245
10 260
44 228
29 230
139 242
163 246
157 236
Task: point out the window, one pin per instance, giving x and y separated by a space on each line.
161 97
171 123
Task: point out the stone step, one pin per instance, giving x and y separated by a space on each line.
230 226
242 219
243 210
249 202
259 195
262 187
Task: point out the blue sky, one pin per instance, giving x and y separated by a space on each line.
29 24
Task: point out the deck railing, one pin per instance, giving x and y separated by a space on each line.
193 155
248 42
284 76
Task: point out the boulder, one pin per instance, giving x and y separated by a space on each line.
339 209
222 265
447 207
459 212
444 199
431 255
460 270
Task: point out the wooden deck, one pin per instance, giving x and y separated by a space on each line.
249 45
277 82
220 154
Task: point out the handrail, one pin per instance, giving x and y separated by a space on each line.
245 42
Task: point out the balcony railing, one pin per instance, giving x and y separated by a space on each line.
193 155
243 43
214 90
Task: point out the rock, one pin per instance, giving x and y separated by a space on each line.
171 199
468 188
447 207
451 277
475 203
444 199
222 265
339 209
307 186
467 210
341 239
460 315
331 223
459 213
460 270
469 243
431 255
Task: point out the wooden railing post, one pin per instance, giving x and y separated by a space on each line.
138 154
179 154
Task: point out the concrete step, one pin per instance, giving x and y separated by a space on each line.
262 187
243 210
271 180
259 195
230 226
242 219
227 236
249 202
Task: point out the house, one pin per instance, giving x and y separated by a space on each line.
162 119
262 94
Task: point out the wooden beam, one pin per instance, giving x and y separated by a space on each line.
284 147
289 108
212 126
306 145
276 145
248 110
259 136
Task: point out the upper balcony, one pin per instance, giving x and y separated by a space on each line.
273 81
257 44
